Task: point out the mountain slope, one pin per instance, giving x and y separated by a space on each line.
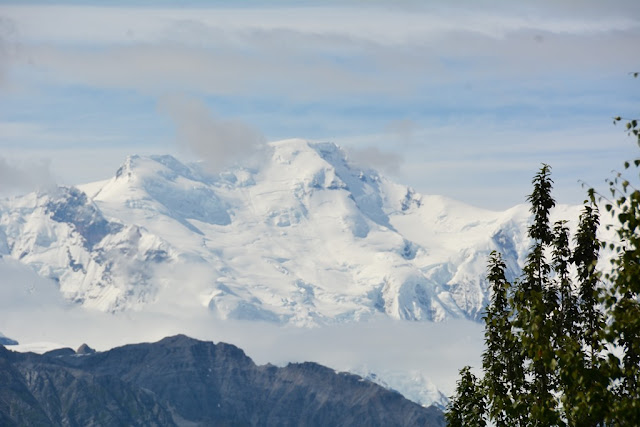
182 381
304 238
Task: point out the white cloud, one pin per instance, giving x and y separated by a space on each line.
403 130
25 176
32 311
305 53
8 46
22 287
219 142
436 351
18 133
383 23
491 165
373 157
351 68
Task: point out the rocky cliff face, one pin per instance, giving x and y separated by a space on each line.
183 381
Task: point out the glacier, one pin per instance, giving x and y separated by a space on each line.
304 238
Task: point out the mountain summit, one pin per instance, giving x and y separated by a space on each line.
305 238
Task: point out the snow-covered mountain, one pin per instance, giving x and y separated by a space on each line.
412 385
305 238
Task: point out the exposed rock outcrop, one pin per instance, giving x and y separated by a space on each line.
183 381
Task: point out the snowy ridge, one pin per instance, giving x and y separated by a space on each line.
413 385
306 238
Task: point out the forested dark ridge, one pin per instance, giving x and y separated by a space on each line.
183 381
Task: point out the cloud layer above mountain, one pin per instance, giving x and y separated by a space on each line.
218 142
450 98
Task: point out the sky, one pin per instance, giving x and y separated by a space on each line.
464 99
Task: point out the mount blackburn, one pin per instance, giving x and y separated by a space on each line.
304 238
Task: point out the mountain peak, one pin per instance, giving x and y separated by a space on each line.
165 166
305 237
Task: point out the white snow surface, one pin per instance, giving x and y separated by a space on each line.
306 238
411 384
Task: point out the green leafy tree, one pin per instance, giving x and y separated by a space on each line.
585 257
534 302
582 374
567 349
623 299
501 363
564 348
566 315
545 339
622 296
467 407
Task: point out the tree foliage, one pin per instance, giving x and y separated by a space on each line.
468 409
501 360
562 342
623 302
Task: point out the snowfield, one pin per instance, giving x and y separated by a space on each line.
306 238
